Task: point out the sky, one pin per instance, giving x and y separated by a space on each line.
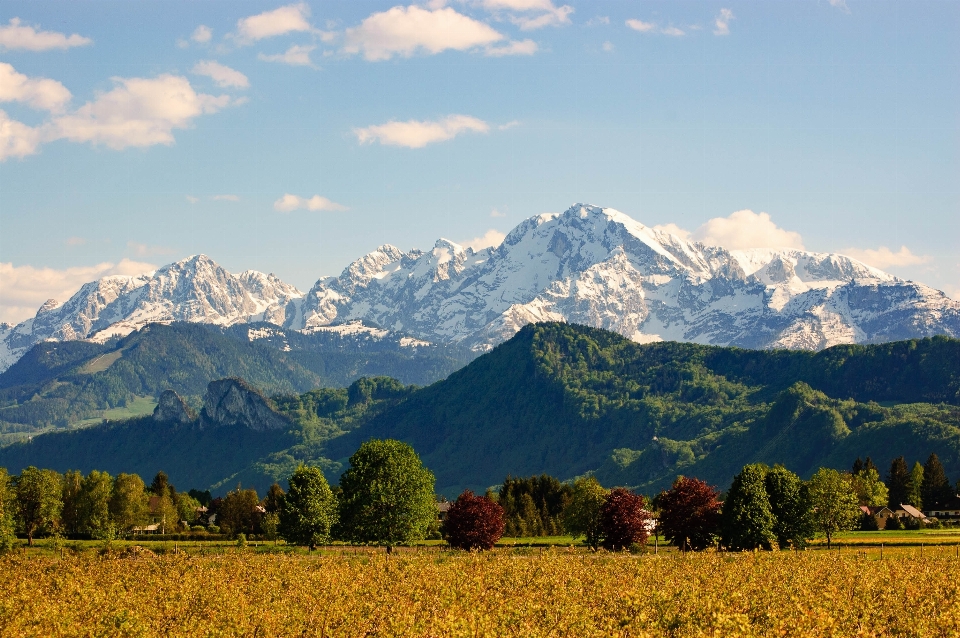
295 138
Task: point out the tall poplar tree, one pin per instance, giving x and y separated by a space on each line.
915 486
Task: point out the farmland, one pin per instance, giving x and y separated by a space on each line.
426 591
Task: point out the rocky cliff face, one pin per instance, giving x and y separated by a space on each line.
233 402
172 409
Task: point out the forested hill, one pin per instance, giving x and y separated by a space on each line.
568 399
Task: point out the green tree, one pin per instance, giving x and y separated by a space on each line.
388 496
162 508
273 499
7 503
835 505
747 522
533 506
870 490
915 486
582 516
39 501
790 503
238 512
898 482
129 504
186 507
70 516
307 512
94 505
936 488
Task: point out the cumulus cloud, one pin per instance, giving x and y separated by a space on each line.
289 203
722 22
641 26
23 289
497 213
297 55
138 112
514 47
673 31
38 93
416 134
742 230
17 139
405 31
490 238
16 36
202 34
222 75
289 19
883 257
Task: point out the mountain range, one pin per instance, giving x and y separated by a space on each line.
589 265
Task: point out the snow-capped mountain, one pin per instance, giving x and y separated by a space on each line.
588 265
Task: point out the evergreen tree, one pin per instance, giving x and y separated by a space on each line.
534 506
857 466
868 465
747 522
790 503
273 499
39 501
582 516
388 496
936 488
915 486
308 511
898 482
835 507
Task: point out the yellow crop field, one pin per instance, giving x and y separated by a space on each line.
504 593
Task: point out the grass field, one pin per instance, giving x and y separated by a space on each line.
139 406
509 592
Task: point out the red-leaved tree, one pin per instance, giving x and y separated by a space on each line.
689 514
473 522
623 520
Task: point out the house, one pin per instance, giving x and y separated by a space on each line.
879 514
147 529
442 509
913 512
946 512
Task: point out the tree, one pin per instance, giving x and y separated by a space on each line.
835 505
238 512
473 522
936 488
790 503
689 514
308 510
582 516
129 505
70 515
94 505
388 496
39 500
898 481
162 508
747 522
534 506
273 499
623 520
869 488
186 506
915 486
7 504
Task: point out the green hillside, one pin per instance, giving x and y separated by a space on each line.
568 400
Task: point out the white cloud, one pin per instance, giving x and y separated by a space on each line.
222 75
75 241
288 19
514 47
17 139
840 4
550 14
202 34
297 55
883 257
608 46
673 229
416 134
490 238
746 229
674 31
723 22
496 213
598 20
14 36
508 125
143 250
641 26
289 203
23 289
138 112
38 93
554 18
226 198
192 199
407 30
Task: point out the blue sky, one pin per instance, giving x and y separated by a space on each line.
294 138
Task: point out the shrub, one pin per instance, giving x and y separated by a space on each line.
473 522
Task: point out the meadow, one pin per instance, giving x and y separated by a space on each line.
221 590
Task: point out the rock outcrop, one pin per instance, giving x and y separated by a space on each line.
233 402
172 408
